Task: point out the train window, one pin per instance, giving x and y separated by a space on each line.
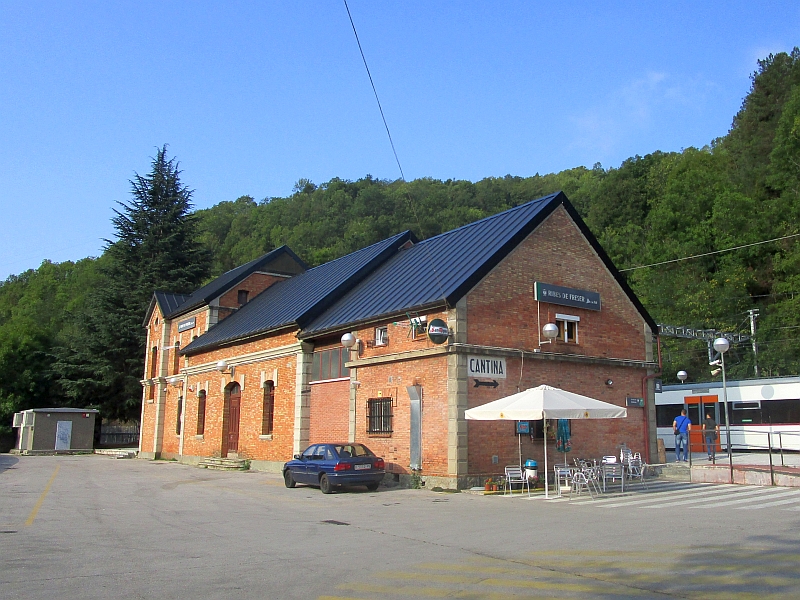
780 411
666 413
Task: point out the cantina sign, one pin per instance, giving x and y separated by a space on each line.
479 366
555 294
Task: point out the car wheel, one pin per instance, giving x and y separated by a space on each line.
325 484
288 479
373 486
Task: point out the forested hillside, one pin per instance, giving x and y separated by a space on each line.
739 190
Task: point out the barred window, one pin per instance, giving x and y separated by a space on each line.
201 412
379 415
268 413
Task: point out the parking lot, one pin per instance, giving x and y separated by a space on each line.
96 527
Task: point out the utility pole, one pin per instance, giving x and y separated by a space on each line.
753 312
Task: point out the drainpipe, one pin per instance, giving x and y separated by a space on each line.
644 395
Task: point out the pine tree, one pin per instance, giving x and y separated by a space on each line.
156 248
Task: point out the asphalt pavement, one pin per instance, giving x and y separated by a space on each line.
97 527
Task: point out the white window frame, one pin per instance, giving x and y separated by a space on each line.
564 322
382 336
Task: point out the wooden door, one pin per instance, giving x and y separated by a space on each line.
231 434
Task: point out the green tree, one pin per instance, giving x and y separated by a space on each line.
157 247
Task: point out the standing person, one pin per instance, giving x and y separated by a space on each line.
710 432
681 426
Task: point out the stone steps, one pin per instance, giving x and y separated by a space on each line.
117 452
675 472
225 464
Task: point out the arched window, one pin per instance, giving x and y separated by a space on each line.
176 361
269 408
201 412
153 370
180 412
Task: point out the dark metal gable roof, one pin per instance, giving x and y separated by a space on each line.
442 269
300 299
439 270
167 302
224 282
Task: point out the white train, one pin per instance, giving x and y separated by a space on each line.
763 412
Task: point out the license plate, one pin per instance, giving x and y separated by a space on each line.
362 467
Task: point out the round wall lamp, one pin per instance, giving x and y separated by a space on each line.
609 382
550 331
349 340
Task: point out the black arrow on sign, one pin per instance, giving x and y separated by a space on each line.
492 384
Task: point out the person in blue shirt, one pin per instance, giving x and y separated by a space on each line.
681 426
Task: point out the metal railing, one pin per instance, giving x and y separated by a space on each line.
751 446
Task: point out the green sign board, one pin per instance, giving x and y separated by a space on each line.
556 294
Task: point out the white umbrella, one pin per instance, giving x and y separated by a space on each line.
545 402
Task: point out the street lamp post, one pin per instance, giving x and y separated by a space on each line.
722 345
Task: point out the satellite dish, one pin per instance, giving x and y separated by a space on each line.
438 332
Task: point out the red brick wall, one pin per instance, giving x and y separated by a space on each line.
329 412
251 444
591 438
254 285
501 311
391 379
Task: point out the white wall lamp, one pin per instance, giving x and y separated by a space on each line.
352 343
550 332
176 381
222 367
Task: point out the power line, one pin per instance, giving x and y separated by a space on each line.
674 260
394 151
374 90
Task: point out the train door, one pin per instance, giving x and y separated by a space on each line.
696 409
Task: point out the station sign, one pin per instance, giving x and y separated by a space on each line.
556 294
187 324
482 366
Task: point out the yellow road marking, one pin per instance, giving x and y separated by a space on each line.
40 501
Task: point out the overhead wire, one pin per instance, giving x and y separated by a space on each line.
674 260
394 151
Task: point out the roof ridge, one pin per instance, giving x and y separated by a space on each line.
497 215
383 241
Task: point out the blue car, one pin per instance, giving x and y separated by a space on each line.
331 465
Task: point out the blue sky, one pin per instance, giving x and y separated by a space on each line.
252 96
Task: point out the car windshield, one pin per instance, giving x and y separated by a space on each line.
353 450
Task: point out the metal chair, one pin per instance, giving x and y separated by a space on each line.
563 478
613 472
579 482
636 469
514 475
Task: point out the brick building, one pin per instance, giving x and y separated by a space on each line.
252 365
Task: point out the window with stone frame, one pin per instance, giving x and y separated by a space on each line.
268 408
201 412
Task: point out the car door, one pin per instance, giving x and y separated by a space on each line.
316 463
300 473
